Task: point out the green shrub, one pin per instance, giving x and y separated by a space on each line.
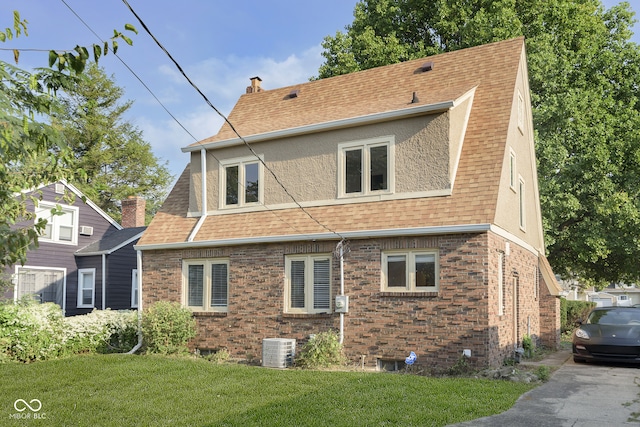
221 355
573 311
167 327
321 351
543 373
101 331
30 331
460 368
527 345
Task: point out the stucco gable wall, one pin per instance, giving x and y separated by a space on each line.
520 143
307 165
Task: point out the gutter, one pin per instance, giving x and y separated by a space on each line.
104 281
203 196
448 229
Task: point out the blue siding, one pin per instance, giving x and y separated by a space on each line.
120 264
55 255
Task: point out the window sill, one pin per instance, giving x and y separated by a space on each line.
210 313
409 294
306 315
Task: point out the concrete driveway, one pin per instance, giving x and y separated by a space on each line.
577 395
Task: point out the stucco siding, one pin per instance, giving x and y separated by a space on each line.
307 165
520 145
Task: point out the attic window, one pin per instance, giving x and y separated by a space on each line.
427 66
294 93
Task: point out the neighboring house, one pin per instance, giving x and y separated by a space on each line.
426 168
613 295
85 260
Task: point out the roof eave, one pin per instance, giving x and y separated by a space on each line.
325 126
110 250
393 232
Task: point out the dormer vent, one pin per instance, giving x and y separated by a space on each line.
415 99
294 93
427 66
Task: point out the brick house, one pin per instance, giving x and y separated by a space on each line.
425 168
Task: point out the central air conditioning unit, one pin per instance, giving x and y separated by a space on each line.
278 352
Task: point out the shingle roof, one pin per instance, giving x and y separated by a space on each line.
491 69
111 242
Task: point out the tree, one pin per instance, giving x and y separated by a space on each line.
584 76
32 152
109 155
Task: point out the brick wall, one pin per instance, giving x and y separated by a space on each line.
379 325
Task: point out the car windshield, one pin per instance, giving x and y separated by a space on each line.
614 317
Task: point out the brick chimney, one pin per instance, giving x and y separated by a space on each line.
255 85
133 212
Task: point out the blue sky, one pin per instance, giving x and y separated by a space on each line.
220 45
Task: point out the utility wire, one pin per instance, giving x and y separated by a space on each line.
162 105
165 108
227 121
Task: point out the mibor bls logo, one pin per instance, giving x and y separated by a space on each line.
34 406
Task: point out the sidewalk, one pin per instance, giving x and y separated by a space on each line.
555 359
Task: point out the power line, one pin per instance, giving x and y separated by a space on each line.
165 108
227 121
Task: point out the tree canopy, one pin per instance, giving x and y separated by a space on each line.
110 158
33 151
584 76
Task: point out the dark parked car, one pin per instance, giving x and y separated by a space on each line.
610 334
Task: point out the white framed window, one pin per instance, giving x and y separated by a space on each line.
86 287
366 167
60 228
410 271
43 284
521 203
308 284
205 284
241 182
512 170
500 283
134 288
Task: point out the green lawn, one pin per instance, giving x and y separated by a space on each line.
122 390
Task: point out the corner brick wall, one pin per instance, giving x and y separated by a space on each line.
550 329
379 325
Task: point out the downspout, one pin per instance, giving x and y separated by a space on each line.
139 280
104 281
203 196
341 290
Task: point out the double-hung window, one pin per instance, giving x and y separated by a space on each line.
62 226
410 271
86 287
241 182
308 284
206 284
366 167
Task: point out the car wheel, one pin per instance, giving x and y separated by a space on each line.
578 359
